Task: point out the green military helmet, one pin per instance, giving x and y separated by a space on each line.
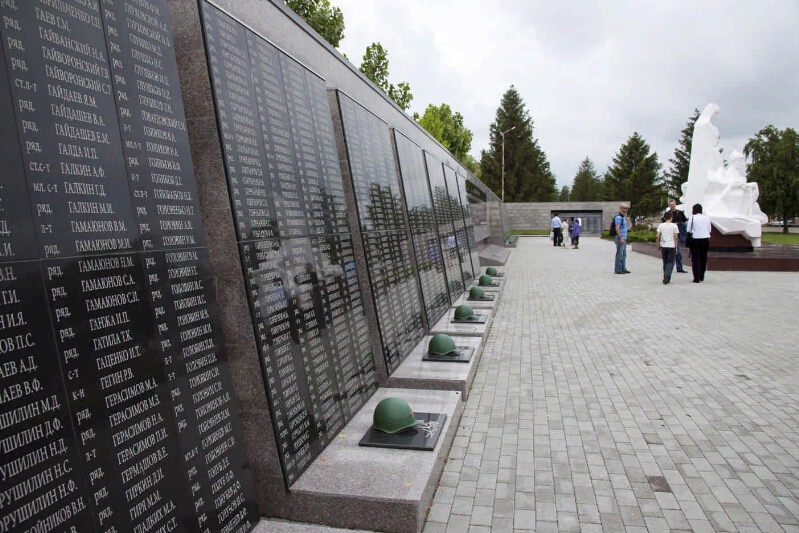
491 271
463 312
476 292
485 280
441 344
392 415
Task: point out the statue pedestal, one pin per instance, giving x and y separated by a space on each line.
728 243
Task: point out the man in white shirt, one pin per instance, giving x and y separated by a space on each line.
667 236
557 232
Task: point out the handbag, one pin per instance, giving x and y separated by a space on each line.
551 235
689 236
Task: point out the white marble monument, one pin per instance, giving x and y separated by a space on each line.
725 195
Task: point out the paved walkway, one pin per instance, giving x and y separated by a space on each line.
617 404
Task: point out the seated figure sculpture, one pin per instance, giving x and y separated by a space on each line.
728 199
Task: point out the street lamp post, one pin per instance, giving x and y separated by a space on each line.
503 159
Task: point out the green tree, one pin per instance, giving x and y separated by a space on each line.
327 20
447 127
586 187
678 172
775 167
634 177
375 67
564 194
528 177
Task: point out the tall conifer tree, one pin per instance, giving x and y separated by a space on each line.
634 177
586 186
528 177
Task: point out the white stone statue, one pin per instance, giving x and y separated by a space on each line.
725 195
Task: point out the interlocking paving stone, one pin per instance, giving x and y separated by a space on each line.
578 401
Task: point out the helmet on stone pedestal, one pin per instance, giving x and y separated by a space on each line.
476 292
441 344
392 415
485 280
491 271
463 312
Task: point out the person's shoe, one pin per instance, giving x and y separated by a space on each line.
619 272
626 272
665 282
696 281
682 271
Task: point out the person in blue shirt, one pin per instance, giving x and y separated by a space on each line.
621 240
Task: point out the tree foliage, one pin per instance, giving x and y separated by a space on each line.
447 127
634 177
678 172
528 177
587 186
774 166
375 67
563 196
327 20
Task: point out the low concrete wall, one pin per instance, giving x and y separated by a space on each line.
537 215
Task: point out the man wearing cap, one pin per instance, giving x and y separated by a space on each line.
621 240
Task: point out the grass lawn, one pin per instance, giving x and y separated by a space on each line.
530 232
780 238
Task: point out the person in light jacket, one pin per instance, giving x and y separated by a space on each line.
699 227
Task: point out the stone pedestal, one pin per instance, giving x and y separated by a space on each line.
728 243
414 373
478 304
463 329
376 489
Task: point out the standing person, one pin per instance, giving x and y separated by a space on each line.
575 232
678 218
557 232
621 240
667 238
564 230
699 226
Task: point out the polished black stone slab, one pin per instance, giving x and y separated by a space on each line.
299 264
374 175
244 144
427 249
395 292
423 436
462 355
442 206
484 298
17 233
459 222
476 319
471 242
126 420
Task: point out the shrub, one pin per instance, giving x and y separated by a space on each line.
636 236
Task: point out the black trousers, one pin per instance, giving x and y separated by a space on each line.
699 258
557 236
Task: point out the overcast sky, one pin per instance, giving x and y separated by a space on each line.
592 73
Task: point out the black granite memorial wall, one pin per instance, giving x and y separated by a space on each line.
117 411
294 238
443 209
385 234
